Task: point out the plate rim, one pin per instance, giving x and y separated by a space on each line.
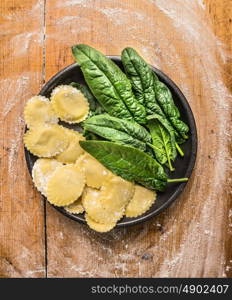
190 168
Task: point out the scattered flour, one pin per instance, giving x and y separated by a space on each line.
20 35
71 3
122 249
21 43
188 24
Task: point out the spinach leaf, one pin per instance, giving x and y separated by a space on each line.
163 142
118 130
142 80
168 137
109 84
128 162
165 100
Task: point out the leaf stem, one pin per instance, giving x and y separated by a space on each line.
170 164
178 179
169 161
179 150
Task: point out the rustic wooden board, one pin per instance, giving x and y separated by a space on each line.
193 237
189 239
22 244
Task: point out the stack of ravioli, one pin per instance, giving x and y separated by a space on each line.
67 175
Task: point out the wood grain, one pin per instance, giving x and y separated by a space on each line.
190 239
21 72
221 18
163 246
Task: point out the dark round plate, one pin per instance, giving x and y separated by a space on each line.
183 166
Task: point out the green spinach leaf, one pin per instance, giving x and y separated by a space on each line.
128 162
142 80
145 84
163 142
118 130
109 84
165 100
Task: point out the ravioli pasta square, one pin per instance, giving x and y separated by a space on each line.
76 207
42 170
98 226
74 150
65 186
95 173
141 201
116 193
38 110
92 204
46 140
69 104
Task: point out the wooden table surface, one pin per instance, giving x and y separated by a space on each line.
191 41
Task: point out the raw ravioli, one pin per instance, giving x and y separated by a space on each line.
95 173
76 207
46 140
38 110
69 104
42 170
91 200
116 193
65 186
98 226
142 200
74 150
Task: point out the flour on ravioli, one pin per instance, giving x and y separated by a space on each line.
42 170
38 110
98 226
76 207
69 104
46 140
65 186
141 201
116 193
74 150
95 173
92 205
